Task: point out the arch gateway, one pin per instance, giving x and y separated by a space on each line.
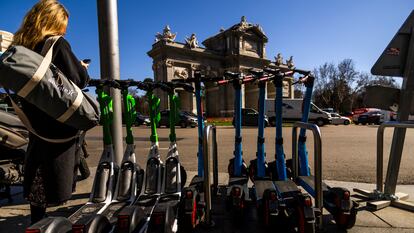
238 49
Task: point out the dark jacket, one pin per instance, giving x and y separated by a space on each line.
57 160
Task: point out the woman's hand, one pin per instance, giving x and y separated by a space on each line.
86 65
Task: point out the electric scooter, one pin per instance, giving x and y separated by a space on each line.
83 219
283 204
258 168
192 198
336 200
136 218
166 213
237 190
131 175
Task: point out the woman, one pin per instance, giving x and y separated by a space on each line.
49 167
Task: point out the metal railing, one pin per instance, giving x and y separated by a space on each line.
209 130
380 148
317 162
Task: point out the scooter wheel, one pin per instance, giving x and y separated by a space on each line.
189 221
303 225
346 221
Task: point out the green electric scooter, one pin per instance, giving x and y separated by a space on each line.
131 175
166 214
135 218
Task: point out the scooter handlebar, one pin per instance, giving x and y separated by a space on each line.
307 80
103 82
124 84
187 87
231 75
302 72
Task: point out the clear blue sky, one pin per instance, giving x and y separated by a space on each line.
313 32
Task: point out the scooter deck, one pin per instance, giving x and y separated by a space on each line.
167 209
86 211
239 181
112 211
147 200
261 186
308 183
286 188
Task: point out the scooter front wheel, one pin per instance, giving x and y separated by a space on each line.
304 226
346 220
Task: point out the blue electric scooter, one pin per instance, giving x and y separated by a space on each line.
336 200
192 199
295 210
237 190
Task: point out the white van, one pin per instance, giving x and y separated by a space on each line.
292 111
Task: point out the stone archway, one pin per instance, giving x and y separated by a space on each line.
238 48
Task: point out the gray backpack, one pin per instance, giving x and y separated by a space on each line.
34 78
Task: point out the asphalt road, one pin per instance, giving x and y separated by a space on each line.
349 152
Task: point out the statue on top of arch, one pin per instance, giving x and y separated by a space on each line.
166 35
192 41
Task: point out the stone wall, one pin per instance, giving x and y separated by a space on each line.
5 40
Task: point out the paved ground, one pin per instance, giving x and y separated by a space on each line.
349 155
349 152
14 217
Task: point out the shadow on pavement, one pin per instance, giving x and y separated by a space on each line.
15 215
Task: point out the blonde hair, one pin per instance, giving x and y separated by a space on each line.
47 17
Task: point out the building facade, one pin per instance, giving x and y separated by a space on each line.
237 49
5 40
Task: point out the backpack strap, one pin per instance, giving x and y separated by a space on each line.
41 71
75 105
48 48
26 122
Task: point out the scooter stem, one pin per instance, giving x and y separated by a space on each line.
280 154
173 115
129 116
154 103
200 127
260 138
105 105
302 151
238 162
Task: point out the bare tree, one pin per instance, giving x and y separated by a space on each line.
334 85
323 88
342 87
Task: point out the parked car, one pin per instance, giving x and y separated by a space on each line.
330 110
292 111
371 117
340 120
357 112
185 120
250 117
347 114
142 120
191 114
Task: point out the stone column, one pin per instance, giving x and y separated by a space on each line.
186 101
251 96
213 100
165 73
270 91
